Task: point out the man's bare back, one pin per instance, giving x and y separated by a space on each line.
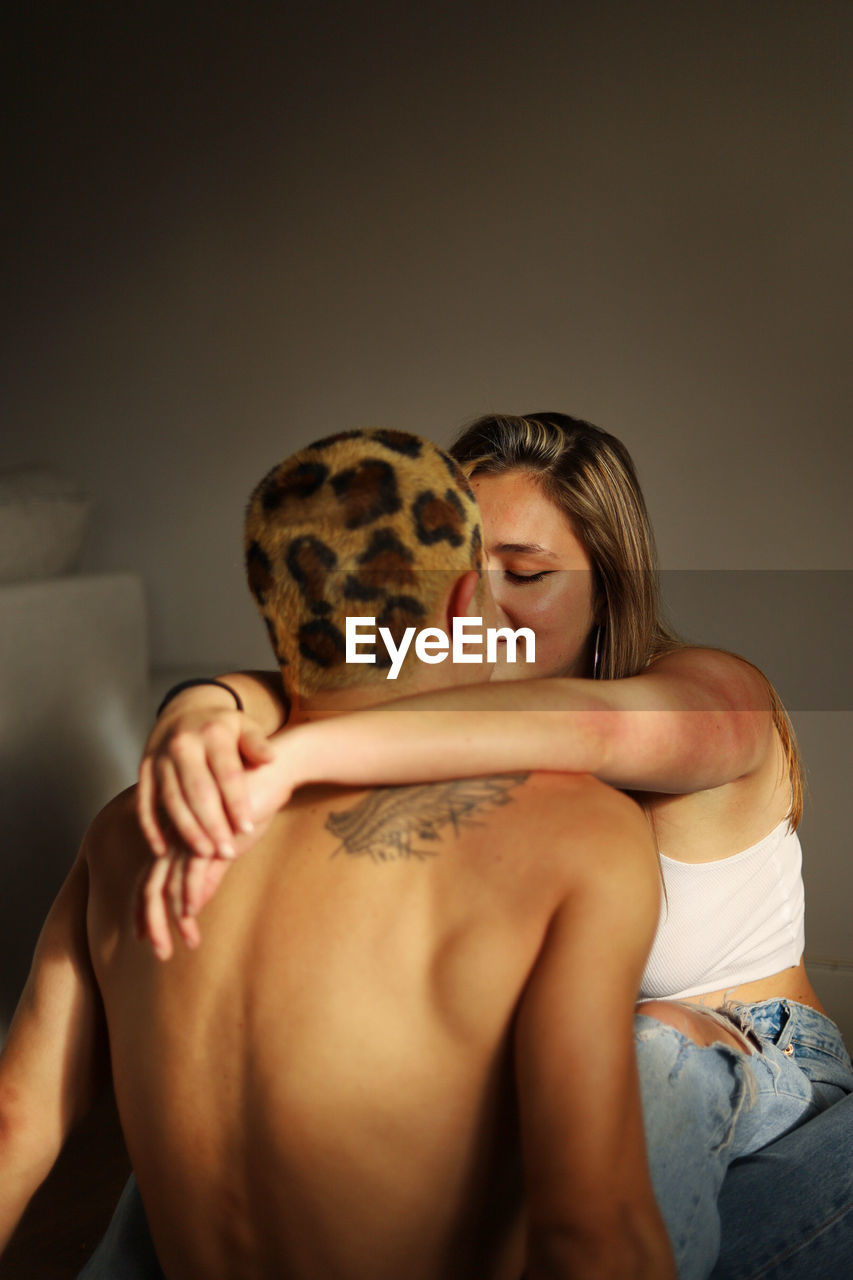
405 1048
343 1082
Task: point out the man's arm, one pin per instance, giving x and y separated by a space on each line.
591 1209
54 1061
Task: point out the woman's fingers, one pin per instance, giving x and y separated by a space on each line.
255 746
189 931
151 915
187 927
146 808
227 758
202 878
172 890
195 874
181 808
160 899
193 794
197 777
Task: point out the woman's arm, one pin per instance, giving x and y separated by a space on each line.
695 720
195 761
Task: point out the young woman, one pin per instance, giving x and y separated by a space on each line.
698 736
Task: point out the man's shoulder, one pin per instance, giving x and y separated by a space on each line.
121 809
569 819
116 825
577 793
503 811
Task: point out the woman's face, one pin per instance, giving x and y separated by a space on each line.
540 574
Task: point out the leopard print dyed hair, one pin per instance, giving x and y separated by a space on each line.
367 523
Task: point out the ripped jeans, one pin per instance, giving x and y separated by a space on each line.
706 1108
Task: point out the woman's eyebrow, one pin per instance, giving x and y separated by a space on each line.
524 546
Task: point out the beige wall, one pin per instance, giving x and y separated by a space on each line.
228 242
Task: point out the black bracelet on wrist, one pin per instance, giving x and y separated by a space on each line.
190 684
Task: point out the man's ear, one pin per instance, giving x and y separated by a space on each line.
460 597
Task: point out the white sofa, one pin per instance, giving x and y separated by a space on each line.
74 710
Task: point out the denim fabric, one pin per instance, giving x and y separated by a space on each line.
787 1210
126 1251
708 1107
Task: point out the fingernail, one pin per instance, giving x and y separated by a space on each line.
225 850
247 825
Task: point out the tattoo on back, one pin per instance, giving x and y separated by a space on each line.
391 823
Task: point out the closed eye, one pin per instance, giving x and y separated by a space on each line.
526 577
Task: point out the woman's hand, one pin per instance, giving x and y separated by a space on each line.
175 886
194 774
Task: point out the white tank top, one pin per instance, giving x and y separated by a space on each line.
731 921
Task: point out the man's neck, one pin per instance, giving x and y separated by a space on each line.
339 702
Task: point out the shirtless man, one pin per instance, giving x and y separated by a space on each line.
403 1050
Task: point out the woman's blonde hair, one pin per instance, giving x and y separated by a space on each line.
590 476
